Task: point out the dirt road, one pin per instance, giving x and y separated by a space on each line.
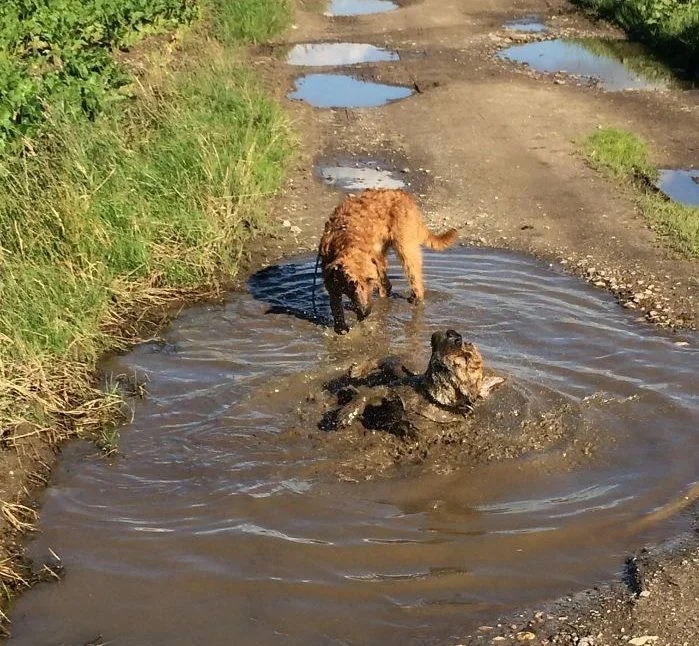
490 148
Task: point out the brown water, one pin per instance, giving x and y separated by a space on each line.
208 528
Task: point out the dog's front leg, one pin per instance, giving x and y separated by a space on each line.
341 326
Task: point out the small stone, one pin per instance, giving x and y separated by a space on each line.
585 641
286 223
642 641
485 629
644 594
499 638
295 230
681 343
525 636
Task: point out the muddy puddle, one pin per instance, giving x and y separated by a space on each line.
344 91
680 185
224 521
528 24
613 65
356 175
358 7
327 54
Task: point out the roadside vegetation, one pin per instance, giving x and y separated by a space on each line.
137 155
623 156
670 28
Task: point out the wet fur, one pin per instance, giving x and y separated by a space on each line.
376 395
454 375
355 243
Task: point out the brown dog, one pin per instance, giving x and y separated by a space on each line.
357 238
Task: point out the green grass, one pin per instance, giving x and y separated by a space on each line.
165 194
249 20
669 27
624 156
618 154
151 198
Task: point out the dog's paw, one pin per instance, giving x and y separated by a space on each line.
414 299
342 329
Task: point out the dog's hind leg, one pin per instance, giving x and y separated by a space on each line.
384 283
410 257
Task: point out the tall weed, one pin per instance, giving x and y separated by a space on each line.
150 196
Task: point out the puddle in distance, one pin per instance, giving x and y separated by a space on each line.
680 185
359 7
212 523
348 176
530 24
343 91
592 59
318 54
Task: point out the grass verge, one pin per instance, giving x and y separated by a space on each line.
105 218
669 27
623 156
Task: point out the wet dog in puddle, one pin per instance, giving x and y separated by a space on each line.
355 243
387 397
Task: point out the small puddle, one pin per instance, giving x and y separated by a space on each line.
615 65
530 24
680 185
348 176
359 7
216 524
343 91
318 54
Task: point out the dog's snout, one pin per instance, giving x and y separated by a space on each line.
454 337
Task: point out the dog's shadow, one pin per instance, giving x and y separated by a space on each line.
290 289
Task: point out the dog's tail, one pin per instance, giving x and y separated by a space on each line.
440 241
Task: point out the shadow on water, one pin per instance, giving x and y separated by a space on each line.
344 91
614 64
680 185
330 54
222 519
288 289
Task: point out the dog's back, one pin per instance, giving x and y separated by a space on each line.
379 216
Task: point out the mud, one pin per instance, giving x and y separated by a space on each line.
289 523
